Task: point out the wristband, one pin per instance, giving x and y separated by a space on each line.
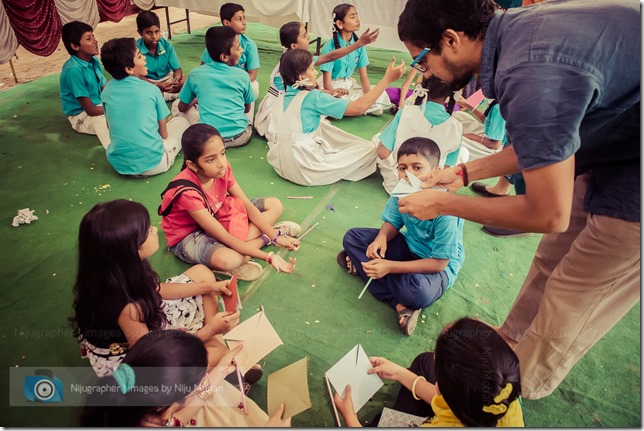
274 240
413 387
269 257
462 172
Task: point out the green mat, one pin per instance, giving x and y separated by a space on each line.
61 174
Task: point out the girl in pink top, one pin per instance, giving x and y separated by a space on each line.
207 218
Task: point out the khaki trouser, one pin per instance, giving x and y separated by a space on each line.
580 284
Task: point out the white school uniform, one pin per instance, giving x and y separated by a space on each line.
414 122
323 156
262 117
355 92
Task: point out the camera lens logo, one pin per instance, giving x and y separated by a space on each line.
43 387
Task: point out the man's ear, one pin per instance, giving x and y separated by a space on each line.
451 40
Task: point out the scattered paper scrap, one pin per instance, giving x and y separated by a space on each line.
330 207
25 216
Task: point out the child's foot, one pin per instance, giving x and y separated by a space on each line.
247 272
345 262
407 320
288 228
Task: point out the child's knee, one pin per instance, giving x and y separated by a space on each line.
350 238
274 204
227 259
201 274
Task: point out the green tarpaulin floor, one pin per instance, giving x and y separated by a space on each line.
61 174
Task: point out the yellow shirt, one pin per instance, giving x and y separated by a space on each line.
445 418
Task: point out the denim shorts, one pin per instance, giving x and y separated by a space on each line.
198 247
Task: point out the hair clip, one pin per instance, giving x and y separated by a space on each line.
498 408
124 376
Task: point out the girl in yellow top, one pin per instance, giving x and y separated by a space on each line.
472 379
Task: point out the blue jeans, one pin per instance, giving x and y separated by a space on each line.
411 290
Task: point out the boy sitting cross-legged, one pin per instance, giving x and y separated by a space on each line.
82 81
223 91
410 271
142 143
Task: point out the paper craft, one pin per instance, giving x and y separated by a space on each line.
352 370
258 337
475 99
391 418
405 188
232 303
290 386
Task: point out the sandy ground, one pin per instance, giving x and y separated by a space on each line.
28 66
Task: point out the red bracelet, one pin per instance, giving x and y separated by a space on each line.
462 172
269 257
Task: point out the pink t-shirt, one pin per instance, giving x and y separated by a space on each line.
179 224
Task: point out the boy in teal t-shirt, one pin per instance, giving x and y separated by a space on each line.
164 68
224 91
142 143
82 81
409 269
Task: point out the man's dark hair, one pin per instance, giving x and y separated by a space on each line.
72 33
423 22
117 54
228 10
219 40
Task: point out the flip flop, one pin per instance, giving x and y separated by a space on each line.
253 375
481 189
407 319
344 261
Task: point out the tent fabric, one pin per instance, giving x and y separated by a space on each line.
37 24
8 40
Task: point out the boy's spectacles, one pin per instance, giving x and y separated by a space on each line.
416 63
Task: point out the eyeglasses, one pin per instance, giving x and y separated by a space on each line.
416 63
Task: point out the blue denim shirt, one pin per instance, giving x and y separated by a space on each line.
566 74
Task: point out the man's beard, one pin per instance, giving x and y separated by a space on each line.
461 76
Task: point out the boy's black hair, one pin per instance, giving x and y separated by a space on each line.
228 10
219 40
146 19
117 54
339 13
473 364
423 22
423 146
289 33
72 33
293 63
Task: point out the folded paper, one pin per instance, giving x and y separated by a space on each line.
258 337
290 386
232 303
352 370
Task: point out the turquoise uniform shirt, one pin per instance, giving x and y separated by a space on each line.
163 62
345 66
80 78
314 105
249 60
133 109
494 126
439 238
435 114
223 91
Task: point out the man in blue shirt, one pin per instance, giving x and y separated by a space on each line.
566 74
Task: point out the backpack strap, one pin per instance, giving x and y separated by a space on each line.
183 186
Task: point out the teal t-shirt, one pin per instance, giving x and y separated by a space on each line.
163 62
133 109
249 59
435 114
439 238
80 78
345 66
494 126
314 105
223 91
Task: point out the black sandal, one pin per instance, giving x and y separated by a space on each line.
408 319
345 262
253 375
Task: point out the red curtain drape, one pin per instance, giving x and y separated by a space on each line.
36 24
112 10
